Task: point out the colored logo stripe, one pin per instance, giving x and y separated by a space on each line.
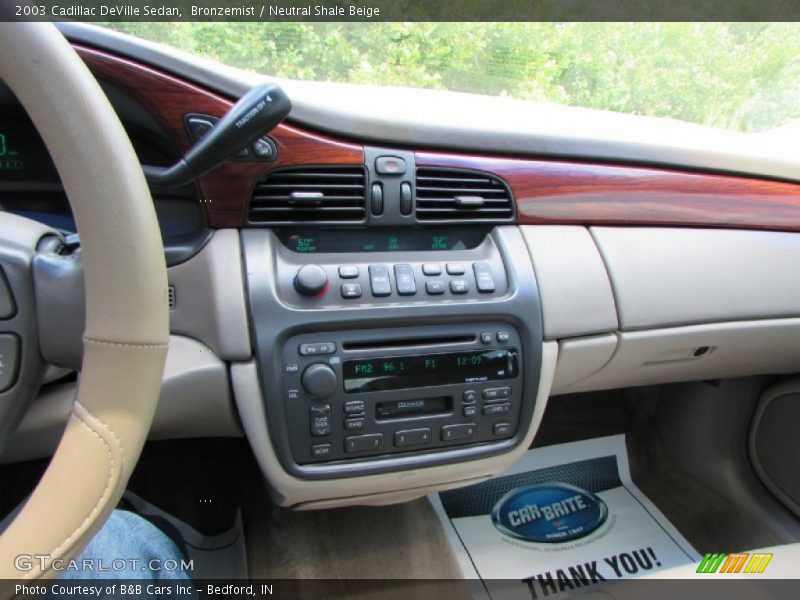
734 563
711 562
758 562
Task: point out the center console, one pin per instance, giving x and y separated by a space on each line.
393 350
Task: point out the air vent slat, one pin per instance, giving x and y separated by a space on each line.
285 198
314 194
441 196
453 180
423 201
299 175
312 186
477 211
305 207
458 190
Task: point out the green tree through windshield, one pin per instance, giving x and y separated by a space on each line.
740 76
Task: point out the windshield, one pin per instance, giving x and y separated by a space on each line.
738 76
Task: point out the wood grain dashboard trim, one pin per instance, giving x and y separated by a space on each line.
224 190
545 191
566 192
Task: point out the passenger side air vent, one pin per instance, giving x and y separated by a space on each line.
324 195
456 195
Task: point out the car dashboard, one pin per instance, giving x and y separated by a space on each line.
382 319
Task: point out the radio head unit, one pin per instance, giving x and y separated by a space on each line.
354 396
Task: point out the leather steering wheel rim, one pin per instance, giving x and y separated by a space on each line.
127 323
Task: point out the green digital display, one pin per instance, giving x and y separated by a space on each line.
10 159
380 240
396 372
23 155
439 242
305 244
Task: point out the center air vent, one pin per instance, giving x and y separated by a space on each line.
456 195
323 195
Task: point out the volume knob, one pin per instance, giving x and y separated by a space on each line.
319 380
310 280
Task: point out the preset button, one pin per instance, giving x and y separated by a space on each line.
363 443
466 431
412 437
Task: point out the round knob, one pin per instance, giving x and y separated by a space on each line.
310 280
319 380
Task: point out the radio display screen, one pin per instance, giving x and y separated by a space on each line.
398 372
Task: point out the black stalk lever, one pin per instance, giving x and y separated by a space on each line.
253 116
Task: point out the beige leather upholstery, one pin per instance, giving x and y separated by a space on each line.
126 296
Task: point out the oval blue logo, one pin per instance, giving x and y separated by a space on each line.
549 512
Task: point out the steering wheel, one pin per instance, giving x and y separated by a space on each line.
127 324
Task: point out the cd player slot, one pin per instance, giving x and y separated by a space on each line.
409 342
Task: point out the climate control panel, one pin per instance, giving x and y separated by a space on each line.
356 395
347 279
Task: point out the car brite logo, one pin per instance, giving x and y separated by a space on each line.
550 512
738 562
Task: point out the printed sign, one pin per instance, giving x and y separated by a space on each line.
561 521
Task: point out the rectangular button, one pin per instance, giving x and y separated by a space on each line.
351 290
9 359
348 271
466 431
492 394
431 269
321 450
320 419
353 424
501 429
455 269
470 396
483 277
318 348
459 286
363 443
496 409
379 280
470 410
7 306
390 165
434 288
354 407
404 280
412 437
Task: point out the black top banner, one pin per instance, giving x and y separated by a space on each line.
399 10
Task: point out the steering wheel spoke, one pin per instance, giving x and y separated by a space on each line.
21 366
